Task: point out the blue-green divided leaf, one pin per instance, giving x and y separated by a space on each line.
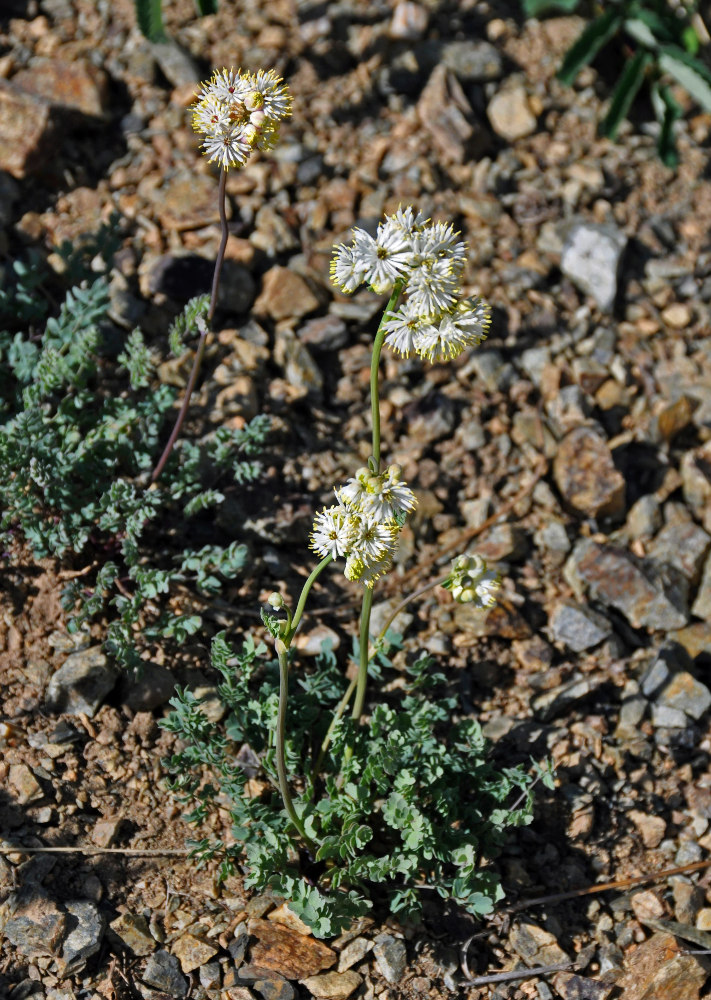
206 7
150 19
667 111
592 39
625 92
692 74
534 8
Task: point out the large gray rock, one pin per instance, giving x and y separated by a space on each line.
163 972
577 626
648 596
86 925
81 683
591 259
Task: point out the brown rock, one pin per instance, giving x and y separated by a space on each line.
446 114
675 417
192 952
77 85
651 828
645 597
187 200
646 905
24 784
285 295
572 987
586 476
294 955
25 131
333 985
658 971
133 930
510 114
536 946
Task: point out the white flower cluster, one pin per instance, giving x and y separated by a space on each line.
363 527
471 582
239 112
428 259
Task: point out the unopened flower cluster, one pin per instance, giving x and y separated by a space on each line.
239 112
471 582
363 527
426 260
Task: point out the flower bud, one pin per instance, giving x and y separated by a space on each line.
276 601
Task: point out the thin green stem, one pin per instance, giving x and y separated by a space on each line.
404 603
374 372
282 654
340 709
302 599
200 352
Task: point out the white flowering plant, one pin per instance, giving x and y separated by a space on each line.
328 800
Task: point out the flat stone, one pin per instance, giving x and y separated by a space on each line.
311 643
81 683
510 115
578 626
472 60
390 956
187 200
687 695
536 946
675 417
211 975
274 987
106 831
644 518
176 64
668 660
324 333
656 970
591 259
285 295
192 952
646 596
86 923
681 544
26 131
37 925
284 914
652 829
570 986
133 930
586 475
333 985
163 972
300 369
695 638
76 84
688 901
353 952
447 116
23 782
503 541
294 955
664 717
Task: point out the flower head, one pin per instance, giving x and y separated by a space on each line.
425 262
238 112
471 582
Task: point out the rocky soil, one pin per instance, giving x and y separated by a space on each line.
584 422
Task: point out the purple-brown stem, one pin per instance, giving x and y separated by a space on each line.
204 329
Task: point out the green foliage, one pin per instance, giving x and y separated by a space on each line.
79 436
419 803
664 45
149 16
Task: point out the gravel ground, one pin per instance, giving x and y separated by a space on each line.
574 446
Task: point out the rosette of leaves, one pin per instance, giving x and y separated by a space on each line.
79 435
659 45
420 804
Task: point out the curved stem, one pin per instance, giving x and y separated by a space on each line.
200 352
404 603
281 651
340 709
364 650
298 614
